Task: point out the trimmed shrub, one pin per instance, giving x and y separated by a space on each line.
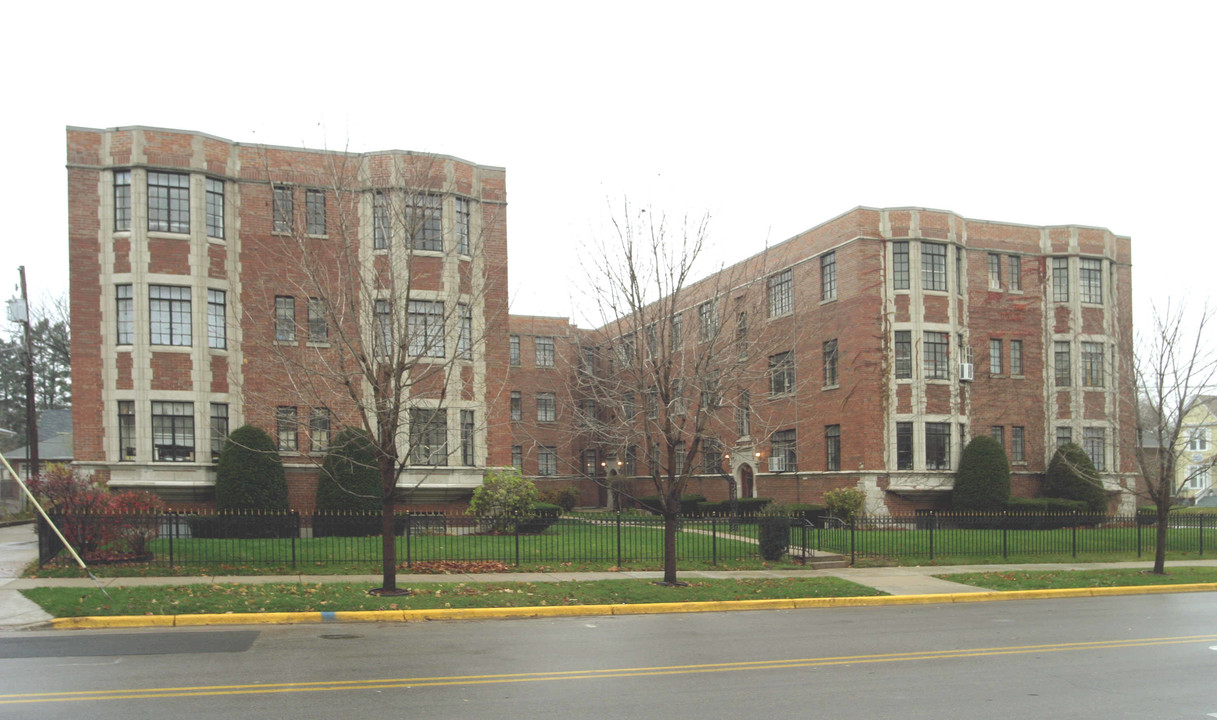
745 506
845 503
244 525
350 478
101 526
813 513
1046 514
249 474
773 534
563 497
690 505
1071 475
541 517
502 498
982 483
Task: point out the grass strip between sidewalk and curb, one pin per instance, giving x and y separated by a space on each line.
491 613
1007 580
187 599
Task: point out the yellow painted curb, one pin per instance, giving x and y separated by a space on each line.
437 614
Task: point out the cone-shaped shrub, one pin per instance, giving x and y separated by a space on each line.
249 475
350 479
982 483
1071 476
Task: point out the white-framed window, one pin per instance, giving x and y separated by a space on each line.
1198 439
462 227
319 429
425 325
517 405
428 436
124 306
832 447
382 328
1062 372
994 271
904 446
547 461
1198 477
781 373
995 356
314 212
830 363
169 202
318 321
828 276
513 345
937 446
1018 444
547 407
1092 364
215 208
545 352
707 314
217 328
287 428
1094 442
781 291
1016 357
1090 280
464 335
283 210
1060 279
285 318
382 228
782 453
466 437
900 265
424 222
936 348
219 429
933 266
122 200
169 313
1016 272
517 457
126 430
172 431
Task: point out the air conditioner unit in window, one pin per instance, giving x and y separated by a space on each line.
965 372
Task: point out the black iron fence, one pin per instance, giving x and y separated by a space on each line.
350 542
948 536
347 541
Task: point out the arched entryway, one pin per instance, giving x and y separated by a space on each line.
747 485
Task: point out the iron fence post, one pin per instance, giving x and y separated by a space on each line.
1005 531
1137 520
852 555
933 525
517 534
409 532
619 538
804 539
1075 534
295 536
713 541
1201 516
172 532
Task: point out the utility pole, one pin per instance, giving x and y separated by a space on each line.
31 411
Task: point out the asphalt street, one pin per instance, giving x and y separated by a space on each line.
1119 657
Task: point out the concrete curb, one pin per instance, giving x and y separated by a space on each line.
440 614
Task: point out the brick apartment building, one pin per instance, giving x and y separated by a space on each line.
883 339
208 285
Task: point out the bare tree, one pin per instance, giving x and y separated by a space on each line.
672 365
375 316
50 334
1173 366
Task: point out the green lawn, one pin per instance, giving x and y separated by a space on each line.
571 545
1055 579
281 597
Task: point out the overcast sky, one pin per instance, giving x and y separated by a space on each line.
771 117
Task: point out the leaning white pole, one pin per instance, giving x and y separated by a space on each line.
42 512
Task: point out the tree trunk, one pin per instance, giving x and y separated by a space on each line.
1160 548
388 552
671 521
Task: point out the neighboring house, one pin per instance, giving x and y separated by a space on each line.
54 446
1197 450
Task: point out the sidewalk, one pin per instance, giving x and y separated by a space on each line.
18 547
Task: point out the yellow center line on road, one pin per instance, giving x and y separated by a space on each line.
439 681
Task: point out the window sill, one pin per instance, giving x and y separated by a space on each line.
168 235
216 241
286 343
171 348
831 387
314 344
322 236
828 301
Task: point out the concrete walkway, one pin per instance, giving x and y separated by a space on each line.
19 547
